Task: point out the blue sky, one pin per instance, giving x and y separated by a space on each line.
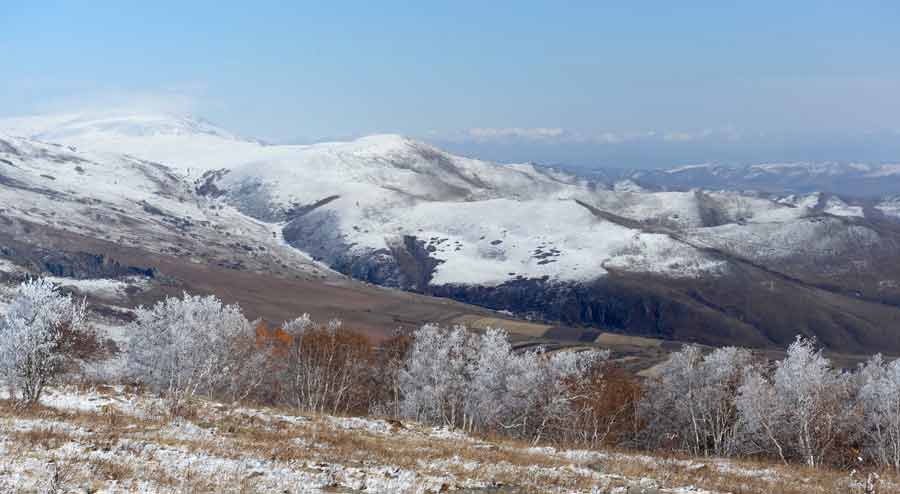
590 83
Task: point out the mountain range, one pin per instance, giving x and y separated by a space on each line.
747 255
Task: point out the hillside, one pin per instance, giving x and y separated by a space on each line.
109 439
859 180
717 267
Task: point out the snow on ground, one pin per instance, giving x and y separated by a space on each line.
678 209
886 170
9 267
838 207
807 201
109 440
486 223
890 207
496 222
133 203
813 237
107 289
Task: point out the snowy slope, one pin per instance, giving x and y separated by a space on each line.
494 222
852 179
370 205
388 210
130 202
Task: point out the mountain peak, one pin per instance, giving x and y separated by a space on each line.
385 142
62 127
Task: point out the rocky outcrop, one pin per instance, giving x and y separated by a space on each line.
81 265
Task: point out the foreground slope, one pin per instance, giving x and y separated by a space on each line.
110 440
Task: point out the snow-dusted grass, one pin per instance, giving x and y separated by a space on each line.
109 439
107 289
813 237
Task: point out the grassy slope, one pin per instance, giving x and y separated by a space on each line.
108 439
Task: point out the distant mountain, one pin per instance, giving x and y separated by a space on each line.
683 259
857 180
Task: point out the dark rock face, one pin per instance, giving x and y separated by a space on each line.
316 232
746 308
82 265
414 263
603 303
206 184
406 263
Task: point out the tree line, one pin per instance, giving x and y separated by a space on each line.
724 403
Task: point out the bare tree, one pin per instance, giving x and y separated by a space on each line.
329 368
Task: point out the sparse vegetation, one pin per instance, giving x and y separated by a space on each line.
441 386
41 333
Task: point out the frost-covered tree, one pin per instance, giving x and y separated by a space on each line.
546 387
253 363
298 325
180 347
801 409
35 335
492 398
879 398
434 383
456 378
692 403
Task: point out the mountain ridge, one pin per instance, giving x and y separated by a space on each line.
538 242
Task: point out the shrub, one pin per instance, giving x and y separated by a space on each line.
329 369
801 410
691 405
181 347
477 382
41 331
607 398
879 398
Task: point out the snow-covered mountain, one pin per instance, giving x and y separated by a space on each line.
711 265
863 180
130 202
353 204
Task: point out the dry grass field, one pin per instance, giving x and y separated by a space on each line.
109 439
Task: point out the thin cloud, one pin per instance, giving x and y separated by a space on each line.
516 132
179 99
550 135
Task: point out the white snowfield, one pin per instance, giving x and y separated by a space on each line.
486 223
109 440
128 201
